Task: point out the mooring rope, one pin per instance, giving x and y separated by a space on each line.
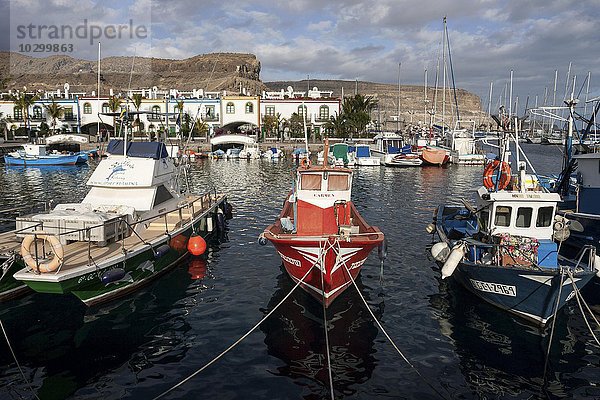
388 336
322 254
562 278
237 341
17 361
579 301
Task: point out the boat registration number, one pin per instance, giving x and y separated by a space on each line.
506 290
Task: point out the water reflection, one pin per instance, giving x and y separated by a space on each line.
500 355
294 334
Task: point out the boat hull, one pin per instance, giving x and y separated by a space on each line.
402 160
43 161
531 294
10 288
334 261
432 156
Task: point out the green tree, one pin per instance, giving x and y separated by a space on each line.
24 101
179 106
114 105
271 124
357 112
55 111
137 103
44 128
337 124
295 125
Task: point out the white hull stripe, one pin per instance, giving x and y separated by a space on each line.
546 280
319 291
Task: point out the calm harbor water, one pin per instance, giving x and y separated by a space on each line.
140 346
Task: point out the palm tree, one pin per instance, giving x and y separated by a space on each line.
357 111
24 101
54 111
338 124
137 103
179 106
114 105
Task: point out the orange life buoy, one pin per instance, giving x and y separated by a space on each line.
48 266
305 163
491 171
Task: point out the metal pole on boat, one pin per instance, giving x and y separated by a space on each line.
398 105
510 96
98 94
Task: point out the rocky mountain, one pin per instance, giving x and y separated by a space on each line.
211 72
412 105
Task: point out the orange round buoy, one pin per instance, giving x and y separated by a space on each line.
197 269
179 243
196 245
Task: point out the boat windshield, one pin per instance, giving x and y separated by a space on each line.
337 182
311 182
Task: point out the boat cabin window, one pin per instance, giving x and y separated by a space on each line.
337 182
502 216
524 217
162 195
311 182
544 217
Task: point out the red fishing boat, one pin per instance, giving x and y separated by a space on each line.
320 236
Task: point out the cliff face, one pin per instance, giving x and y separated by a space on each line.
412 99
212 72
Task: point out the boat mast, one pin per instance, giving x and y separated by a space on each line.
444 78
398 111
425 98
98 94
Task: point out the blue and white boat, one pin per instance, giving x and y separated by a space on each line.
507 250
37 155
364 156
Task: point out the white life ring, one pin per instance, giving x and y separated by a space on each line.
43 267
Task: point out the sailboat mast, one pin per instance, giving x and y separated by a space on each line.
98 94
425 97
444 78
490 100
398 111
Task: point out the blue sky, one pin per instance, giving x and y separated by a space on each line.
356 39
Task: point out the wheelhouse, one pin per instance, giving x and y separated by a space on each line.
529 214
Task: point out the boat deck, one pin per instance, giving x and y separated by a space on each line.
83 253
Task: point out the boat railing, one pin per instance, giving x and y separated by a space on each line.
478 249
206 200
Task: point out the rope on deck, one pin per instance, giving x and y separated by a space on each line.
237 341
17 361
